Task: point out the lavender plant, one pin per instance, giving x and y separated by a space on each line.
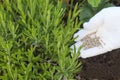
35 41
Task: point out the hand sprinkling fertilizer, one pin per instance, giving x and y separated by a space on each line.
100 34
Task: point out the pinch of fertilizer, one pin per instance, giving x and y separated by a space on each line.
90 41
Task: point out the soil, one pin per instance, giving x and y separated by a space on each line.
101 67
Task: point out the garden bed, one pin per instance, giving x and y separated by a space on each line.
102 67
34 43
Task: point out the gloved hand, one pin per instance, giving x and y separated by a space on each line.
100 34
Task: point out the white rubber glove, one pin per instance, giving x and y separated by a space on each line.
102 32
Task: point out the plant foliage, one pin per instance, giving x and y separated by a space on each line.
94 3
88 9
34 41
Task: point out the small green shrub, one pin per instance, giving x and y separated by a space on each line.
90 7
34 41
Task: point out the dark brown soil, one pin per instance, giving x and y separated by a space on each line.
102 67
